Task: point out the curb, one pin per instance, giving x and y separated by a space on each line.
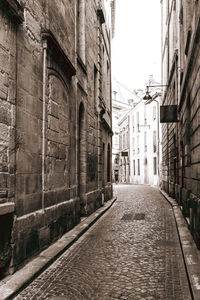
12 285
191 254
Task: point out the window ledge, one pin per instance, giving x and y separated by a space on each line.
6 208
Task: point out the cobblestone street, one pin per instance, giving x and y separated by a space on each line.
132 252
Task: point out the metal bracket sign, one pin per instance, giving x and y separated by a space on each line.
124 153
168 114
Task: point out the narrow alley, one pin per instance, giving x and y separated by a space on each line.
132 252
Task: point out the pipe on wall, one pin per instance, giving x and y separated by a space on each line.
44 119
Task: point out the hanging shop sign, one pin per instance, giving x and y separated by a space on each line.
124 153
168 114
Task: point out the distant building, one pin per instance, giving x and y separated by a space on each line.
181 131
139 144
55 120
120 105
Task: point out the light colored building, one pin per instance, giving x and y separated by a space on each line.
121 103
139 143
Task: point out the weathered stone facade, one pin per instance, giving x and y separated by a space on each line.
181 140
55 120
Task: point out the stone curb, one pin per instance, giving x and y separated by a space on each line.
12 285
191 254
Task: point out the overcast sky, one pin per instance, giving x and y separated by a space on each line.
136 45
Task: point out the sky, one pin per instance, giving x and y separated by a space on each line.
136 50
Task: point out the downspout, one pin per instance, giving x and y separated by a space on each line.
158 140
178 85
44 119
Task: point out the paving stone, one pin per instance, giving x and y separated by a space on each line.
117 259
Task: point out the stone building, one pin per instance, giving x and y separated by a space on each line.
139 141
55 120
181 132
120 105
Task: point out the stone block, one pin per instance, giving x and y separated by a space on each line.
53 123
64 138
53 149
12 91
18 251
29 203
54 231
4 130
53 109
53 136
28 163
51 214
5 114
63 123
50 198
34 220
59 166
3 95
32 25
44 236
63 195
55 180
4 180
62 151
33 183
11 185
4 61
31 243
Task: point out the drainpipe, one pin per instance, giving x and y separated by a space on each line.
44 119
158 141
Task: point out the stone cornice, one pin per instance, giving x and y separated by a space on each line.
13 9
58 54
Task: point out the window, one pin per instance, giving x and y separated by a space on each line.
138 167
154 141
120 141
154 113
145 141
154 165
145 115
138 144
133 146
138 121
134 167
133 119
124 138
127 139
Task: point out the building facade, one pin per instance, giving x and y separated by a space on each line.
55 120
121 103
181 137
139 143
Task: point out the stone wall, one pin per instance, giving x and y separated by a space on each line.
51 132
181 146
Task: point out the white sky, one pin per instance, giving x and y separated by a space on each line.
136 49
